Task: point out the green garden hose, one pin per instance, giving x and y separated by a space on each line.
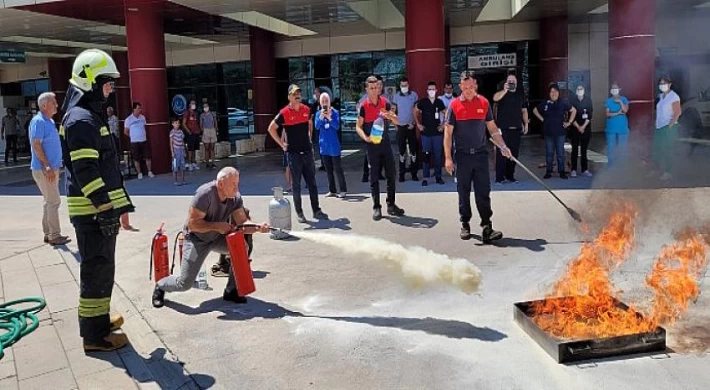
15 321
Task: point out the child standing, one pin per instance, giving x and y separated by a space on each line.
177 150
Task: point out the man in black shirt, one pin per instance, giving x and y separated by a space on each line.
512 117
379 151
581 130
432 112
296 121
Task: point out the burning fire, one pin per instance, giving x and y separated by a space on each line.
582 303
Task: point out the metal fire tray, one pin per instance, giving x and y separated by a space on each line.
565 351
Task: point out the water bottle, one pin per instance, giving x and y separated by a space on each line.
378 129
202 277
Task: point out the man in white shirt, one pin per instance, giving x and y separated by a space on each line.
134 128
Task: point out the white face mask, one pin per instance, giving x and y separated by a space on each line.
193 107
405 89
580 93
615 91
664 88
432 94
206 109
449 95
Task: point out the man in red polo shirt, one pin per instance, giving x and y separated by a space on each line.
468 119
378 154
296 121
191 123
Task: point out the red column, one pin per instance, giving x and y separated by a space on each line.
425 43
148 77
263 73
123 93
632 55
447 56
553 52
59 70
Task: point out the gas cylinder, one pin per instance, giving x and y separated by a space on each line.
240 263
279 214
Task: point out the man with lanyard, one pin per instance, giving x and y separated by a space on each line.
468 119
432 110
298 125
191 123
512 117
378 155
404 102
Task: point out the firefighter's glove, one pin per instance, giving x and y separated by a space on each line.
108 223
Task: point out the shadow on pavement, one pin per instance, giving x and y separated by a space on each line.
171 372
260 309
355 198
449 328
260 274
413 222
324 224
536 245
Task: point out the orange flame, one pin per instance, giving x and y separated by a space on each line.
582 303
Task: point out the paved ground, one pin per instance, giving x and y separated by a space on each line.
323 319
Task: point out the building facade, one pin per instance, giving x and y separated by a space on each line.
240 57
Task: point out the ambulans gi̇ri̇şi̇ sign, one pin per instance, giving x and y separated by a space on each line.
492 61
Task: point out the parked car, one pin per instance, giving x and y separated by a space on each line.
237 117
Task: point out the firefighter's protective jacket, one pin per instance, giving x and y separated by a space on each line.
93 172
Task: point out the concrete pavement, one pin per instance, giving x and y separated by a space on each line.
323 319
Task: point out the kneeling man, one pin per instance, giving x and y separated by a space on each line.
216 210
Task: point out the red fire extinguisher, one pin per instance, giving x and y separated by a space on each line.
159 259
240 263
177 248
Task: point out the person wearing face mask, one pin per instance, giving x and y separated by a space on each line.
512 117
668 113
429 115
96 197
580 133
328 124
191 124
363 99
556 115
208 124
448 95
216 210
315 108
617 125
404 102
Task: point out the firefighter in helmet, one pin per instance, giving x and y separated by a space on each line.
95 194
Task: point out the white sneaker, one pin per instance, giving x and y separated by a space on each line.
197 167
330 195
587 174
573 173
666 176
342 195
150 174
140 176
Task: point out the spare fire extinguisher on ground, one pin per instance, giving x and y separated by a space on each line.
159 258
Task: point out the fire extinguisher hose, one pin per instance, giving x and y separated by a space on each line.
177 238
18 323
150 270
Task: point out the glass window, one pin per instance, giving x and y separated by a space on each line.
236 73
300 68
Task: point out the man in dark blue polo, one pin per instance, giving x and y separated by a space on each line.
468 119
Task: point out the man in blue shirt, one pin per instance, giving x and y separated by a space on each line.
46 163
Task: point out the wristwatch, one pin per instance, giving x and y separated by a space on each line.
47 168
